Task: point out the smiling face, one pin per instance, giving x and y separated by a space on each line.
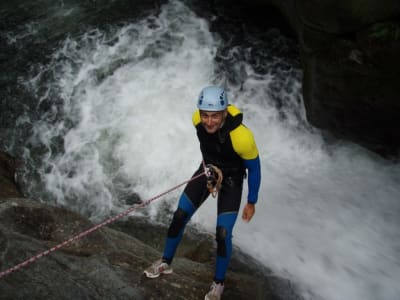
212 120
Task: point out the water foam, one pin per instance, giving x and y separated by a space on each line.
327 216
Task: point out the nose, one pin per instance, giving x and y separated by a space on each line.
208 121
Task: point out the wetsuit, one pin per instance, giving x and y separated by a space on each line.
232 149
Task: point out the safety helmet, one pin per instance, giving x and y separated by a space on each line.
212 98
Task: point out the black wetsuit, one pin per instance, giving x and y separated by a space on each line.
232 149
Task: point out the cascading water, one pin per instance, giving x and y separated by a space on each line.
115 120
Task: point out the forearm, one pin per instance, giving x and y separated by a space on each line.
254 178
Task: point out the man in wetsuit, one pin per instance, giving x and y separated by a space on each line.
229 146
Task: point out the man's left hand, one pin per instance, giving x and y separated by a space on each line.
248 212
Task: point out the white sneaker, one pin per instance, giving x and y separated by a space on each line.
215 292
157 268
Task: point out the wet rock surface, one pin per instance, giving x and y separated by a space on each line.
8 168
349 55
108 263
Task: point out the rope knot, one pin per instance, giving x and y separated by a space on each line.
214 179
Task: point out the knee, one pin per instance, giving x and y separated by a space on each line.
221 236
178 222
221 233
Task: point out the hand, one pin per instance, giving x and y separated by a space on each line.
248 212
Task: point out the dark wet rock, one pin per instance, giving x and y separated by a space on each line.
108 263
351 67
8 182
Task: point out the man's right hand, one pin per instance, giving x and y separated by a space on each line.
248 212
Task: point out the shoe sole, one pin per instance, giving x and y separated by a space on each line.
151 275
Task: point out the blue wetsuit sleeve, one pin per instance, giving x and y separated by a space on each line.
254 178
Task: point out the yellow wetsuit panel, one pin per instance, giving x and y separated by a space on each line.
233 110
196 118
243 142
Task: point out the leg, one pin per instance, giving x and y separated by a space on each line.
181 216
228 207
225 225
193 196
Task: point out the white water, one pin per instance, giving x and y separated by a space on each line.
327 217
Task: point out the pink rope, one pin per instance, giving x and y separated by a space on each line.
94 228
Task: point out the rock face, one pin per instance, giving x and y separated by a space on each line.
109 263
351 67
8 166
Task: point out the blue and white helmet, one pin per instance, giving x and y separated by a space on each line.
212 98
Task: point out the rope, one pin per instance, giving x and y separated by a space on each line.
94 228
214 178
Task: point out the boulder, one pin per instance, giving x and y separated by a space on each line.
108 263
351 67
8 176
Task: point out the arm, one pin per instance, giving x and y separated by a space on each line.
254 180
244 144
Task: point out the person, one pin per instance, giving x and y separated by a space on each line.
226 145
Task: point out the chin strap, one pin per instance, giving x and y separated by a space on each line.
214 178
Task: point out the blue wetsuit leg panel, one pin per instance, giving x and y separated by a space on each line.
227 221
186 207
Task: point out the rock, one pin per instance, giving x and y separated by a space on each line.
350 87
351 67
108 263
8 184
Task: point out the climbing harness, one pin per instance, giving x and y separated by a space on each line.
214 178
98 226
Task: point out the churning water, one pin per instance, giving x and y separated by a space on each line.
116 106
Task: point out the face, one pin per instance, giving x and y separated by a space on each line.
212 120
